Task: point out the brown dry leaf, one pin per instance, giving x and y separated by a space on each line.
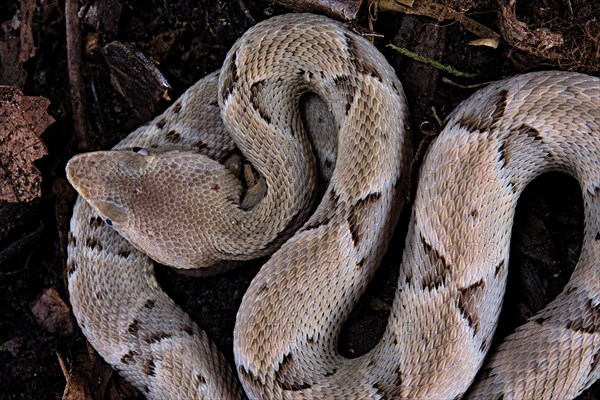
89 377
22 120
17 44
78 386
102 16
13 346
136 77
161 45
11 69
52 313
27 47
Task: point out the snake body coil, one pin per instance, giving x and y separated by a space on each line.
188 210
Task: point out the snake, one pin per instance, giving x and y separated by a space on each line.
172 191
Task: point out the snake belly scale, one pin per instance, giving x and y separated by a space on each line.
188 210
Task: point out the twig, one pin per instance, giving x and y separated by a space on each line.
442 12
433 63
18 245
246 12
473 86
75 62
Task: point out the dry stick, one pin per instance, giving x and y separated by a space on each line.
442 12
75 62
18 245
246 12
433 63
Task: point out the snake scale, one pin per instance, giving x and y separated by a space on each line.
188 210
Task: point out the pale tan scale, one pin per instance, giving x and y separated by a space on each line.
189 210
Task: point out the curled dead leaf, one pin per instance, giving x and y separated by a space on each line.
52 313
22 120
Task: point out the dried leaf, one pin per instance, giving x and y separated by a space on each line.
22 120
52 313
88 374
13 346
161 45
11 69
488 42
17 45
78 386
102 16
28 48
136 77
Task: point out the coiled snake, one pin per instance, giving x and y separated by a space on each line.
188 210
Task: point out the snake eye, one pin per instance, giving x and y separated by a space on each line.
111 223
140 150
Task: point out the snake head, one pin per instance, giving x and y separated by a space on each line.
162 202
105 179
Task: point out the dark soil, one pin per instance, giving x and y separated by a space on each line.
547 233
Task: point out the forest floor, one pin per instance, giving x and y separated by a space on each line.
188 39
